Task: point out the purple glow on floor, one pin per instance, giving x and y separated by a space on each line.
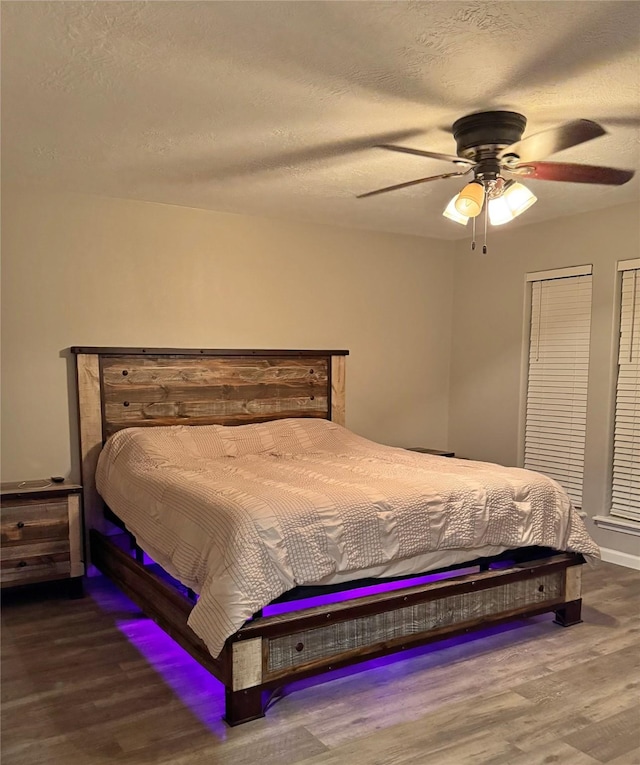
336 597
196 688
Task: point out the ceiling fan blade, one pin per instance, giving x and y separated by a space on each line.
540 145
207 168
410 183
570 173
420 153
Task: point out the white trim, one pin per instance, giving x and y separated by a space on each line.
613 523
625 493
560 273
620 558
628 265
524 372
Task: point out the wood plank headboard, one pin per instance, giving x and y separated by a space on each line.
126 387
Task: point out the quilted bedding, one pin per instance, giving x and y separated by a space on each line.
243 514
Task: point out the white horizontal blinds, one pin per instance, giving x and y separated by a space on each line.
625 501
557 385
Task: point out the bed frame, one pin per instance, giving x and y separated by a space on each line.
125 387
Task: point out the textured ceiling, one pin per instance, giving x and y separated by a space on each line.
273 107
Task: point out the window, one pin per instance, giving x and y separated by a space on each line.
556 406
625 499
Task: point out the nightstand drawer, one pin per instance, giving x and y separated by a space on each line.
37 562
41 534
33 521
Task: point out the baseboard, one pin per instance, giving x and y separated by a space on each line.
620 558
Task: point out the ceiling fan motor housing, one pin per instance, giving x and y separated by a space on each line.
481 135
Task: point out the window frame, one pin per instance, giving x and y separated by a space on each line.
622 266
530 278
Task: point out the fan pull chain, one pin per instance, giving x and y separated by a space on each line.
473 234
486 216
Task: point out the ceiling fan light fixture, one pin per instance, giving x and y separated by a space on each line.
470 200
451 213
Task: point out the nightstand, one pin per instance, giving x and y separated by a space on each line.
436 452
41 534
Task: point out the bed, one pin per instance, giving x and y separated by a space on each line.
272 438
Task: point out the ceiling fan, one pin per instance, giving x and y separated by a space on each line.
490 144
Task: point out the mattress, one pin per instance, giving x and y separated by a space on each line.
243 514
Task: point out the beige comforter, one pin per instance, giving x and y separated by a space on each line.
242 514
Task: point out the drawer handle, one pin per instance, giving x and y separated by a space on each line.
22 564
20 524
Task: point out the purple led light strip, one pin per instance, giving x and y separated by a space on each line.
359 592
273 609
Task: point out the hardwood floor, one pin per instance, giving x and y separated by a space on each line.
91 681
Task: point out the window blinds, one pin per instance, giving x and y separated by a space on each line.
556 410
625 500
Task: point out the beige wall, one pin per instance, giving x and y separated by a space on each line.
488 336
81 270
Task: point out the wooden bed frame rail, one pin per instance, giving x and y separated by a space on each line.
270 651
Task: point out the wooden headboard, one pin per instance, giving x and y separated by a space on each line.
131 387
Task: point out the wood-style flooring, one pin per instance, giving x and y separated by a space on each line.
90 682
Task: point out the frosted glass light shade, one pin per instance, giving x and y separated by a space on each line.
499 211
470 200
451 213
519 198
513 202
